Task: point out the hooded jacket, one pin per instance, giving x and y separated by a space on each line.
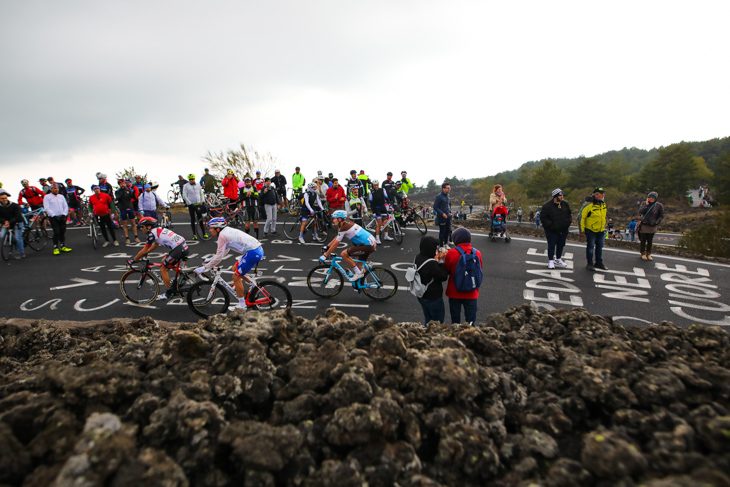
452 257
556 218
592 215
433 273
10 213
650 216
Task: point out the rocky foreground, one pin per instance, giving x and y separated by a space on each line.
562 398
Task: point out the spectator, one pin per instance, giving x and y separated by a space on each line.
336 197
32 195
632 228
230 189
519 215
537 220
297 181
651 214
193 197
532 216
271 202
45 186
57 210
356 206
592 223
73 198
442 210
497 198
11 217
101 208
556 219
280 182
366 186
149 201
126 199
432 274
208 182
457 299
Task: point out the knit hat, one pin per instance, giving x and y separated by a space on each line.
654 195
147 186
557 192
461 235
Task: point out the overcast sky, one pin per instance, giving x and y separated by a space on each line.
438 88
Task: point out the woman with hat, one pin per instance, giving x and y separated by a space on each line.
556 219
651 214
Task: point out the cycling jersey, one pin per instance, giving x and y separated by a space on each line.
354 183
105 187
233 239
249 196
357 235
258 183
389 186
280 183
164 236
379 198
297 180
312 201
32 195
73 195
126 197
100 204
357 208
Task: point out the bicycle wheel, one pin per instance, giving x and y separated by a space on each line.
380 283
94 235
168 218
397 232
291 227
171 197
268 296
321 231
420 223
205 301
139 287
7 248
36 240
324 282
201 233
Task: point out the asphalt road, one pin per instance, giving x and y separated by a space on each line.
83 284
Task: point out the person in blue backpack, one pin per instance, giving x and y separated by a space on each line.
464 264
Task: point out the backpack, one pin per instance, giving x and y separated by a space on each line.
468 272
415 286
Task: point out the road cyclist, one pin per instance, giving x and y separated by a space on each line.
194 198
379 206
363 243
312 206
162 236
232 239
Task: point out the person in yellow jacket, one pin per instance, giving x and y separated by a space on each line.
592 223
406 183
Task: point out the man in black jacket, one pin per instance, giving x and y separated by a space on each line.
10 216
556 219
433 273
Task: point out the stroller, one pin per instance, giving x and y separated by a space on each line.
498 224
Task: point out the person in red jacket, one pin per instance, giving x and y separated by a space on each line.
462 239
230 189
32 195
336 196
101 207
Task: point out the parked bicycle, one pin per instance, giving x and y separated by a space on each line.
391 221
412 216
165 218
295 202
614 235
174 194
326 281
212 297
316 224
140 285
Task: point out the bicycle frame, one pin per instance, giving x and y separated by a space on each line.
218 279
360 284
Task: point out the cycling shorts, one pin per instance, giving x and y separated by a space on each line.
126 214
248 260
306 213
361 251
380 212
251 214
175 256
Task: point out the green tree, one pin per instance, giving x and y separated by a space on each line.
588 172
431 184
128 174
674 172
721 182
544 180
243 161
617 173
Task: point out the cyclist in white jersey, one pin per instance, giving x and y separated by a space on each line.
230 238
162 236
363 243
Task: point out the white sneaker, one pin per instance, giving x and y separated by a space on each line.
387 237
551 264
377 239
238 306
162 297
106 244
116 244
561 263
354 277
301 240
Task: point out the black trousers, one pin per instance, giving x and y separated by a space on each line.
200 211
58 224
645 240
105 221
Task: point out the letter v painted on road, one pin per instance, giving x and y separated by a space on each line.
79 282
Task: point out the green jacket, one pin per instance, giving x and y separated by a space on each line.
209 183
297 181
592 215
407 184
365 183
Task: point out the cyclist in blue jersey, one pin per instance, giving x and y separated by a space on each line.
363 243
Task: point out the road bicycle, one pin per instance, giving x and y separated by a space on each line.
94 232
201 220
412 217
327 281
615 235
391 220
142 286
174 194
226 209
165 218
295 202
212 297
212 199
293 224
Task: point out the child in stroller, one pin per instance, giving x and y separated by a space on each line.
498 223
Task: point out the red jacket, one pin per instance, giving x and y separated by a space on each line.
452 257
230 187
33 195
333 197
100 204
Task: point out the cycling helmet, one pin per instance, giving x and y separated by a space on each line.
247 180
339 214
101 175
276 170
230 171
98 175
68 179
191 176
390 173
137 176
219 222
297 168
403 173
24 181
353 172
375 182
319 173
312 186
148 220
41 180
330 175
258 172
399 183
